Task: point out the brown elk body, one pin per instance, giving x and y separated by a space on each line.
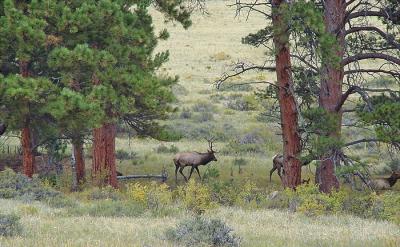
277 164
3 128
384 183
193 159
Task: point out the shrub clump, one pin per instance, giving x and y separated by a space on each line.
203 107
307 199
200 231
10 225
15 185
124 155
204 117
165 149
242 103
195 197
154 196
103 193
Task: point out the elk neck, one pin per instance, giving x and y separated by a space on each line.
205 158
392 180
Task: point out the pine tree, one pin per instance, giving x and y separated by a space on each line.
108 52
23 49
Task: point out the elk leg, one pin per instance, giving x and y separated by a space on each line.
180 171
279 173
191 171
176 173
271 172
198 172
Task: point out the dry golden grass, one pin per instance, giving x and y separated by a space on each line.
256 228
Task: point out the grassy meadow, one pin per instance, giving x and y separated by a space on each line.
246 142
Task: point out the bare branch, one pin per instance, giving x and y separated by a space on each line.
365 56
305 62
381 71
239 69
361 141
351 90
388 37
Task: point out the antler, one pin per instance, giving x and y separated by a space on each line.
210 143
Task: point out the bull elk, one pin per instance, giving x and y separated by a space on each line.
384 183
193 159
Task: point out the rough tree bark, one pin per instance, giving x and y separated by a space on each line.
26 135
287 102
27 159
79 161
103 167
331 93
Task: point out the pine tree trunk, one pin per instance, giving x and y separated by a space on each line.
331 93
26 135
287 102
104 167
80 161
110 153
27 160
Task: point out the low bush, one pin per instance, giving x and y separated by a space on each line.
195 197
203 106
165 149
199 231
211 173
230 87
309 201
185 114
203 117
102 193
242 103
10 225
15 185
153 196
124 155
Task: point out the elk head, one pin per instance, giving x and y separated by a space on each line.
210 151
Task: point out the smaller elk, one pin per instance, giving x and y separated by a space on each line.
384 183
193 159
277 164
3 128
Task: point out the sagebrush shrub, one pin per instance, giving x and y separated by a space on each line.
16 185
10 225
165 149
200 231
102 193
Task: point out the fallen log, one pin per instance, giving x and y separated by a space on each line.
163 177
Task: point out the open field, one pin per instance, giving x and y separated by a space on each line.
256 228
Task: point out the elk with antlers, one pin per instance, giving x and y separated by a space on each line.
193 159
